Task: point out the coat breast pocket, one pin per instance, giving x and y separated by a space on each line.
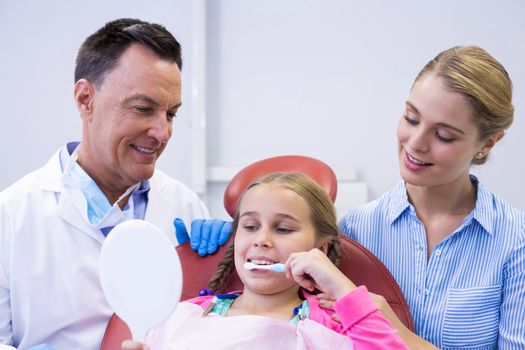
472 318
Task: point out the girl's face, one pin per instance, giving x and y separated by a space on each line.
273 223
437 136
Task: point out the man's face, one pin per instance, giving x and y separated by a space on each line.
128 120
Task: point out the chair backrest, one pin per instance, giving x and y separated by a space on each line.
361 266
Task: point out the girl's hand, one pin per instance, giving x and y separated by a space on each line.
313 269
133 345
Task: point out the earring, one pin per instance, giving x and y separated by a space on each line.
480 154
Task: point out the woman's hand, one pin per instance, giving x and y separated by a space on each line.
133 345
313 269
412 340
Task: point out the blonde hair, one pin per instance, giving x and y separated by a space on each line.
322 215
482 80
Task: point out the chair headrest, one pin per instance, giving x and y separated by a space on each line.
317 170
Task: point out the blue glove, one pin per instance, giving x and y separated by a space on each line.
41 347
206 235
180 231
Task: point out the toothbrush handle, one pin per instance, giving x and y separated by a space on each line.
277 267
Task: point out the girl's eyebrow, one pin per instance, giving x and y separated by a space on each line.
248 213
287 216
281 215
443 125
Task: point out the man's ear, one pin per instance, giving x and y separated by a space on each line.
84 93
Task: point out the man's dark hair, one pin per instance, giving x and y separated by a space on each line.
100 52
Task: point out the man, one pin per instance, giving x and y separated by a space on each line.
54 220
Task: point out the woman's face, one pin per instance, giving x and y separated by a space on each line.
437 136
273 223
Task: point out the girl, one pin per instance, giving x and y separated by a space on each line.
282 218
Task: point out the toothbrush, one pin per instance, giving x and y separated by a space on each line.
273 267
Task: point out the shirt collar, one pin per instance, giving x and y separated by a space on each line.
398 202
70 148
483 212
66 152
144 187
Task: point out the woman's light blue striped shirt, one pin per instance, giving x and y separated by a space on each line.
470 294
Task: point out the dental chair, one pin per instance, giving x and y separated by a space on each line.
361 266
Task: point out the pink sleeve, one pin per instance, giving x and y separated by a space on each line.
364 324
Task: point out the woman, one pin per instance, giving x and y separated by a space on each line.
456 250
282 218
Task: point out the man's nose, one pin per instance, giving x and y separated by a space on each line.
160 128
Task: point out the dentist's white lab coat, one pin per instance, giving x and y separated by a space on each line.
49 285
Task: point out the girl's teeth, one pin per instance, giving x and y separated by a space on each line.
260 262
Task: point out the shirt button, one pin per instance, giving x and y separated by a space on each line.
438 252
427 291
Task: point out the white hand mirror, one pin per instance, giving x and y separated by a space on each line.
141 275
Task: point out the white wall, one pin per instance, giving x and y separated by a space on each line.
321 78
329 79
